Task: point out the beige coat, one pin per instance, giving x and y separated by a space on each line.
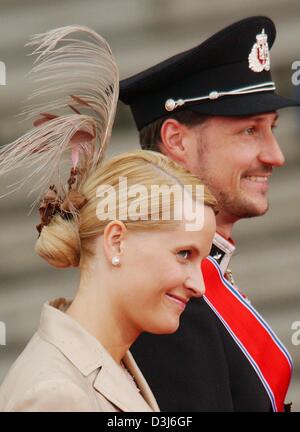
64 368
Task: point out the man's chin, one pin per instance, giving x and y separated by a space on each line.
242 206
250 210
245 208
253 213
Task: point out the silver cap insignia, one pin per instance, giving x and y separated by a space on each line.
259 57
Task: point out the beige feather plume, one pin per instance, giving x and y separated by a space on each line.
76 94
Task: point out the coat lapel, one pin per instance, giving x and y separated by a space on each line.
89 356
140 380
113 383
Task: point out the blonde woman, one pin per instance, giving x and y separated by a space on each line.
137 272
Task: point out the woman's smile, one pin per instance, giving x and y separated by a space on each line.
180 301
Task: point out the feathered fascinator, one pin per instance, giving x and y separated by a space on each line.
73 107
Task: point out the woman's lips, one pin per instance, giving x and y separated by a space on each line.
178 300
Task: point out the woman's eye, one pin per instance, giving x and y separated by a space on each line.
249 131
184 254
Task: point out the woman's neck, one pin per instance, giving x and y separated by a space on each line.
95 310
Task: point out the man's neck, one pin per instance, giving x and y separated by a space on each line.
225 225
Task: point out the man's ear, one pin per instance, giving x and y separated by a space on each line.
113 239
174 138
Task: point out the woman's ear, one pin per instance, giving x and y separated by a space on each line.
113 240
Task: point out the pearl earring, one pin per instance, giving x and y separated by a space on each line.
115 261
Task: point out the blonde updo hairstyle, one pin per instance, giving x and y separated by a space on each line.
69 243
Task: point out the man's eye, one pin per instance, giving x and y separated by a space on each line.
184 254
249 131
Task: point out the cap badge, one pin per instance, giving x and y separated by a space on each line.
259 57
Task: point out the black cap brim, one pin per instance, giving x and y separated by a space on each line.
227 65
245 105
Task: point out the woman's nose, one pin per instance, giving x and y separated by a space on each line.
195 284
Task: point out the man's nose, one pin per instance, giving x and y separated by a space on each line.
195 284
271 153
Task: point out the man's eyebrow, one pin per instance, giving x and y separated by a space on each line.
261 117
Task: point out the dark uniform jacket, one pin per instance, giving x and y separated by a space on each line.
200 367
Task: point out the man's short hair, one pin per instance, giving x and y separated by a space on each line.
150 135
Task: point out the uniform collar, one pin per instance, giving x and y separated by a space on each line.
87 354
222 251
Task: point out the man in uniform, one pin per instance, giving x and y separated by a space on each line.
213 109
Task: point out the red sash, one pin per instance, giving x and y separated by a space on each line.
265 352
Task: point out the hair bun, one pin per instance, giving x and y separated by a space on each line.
59 243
